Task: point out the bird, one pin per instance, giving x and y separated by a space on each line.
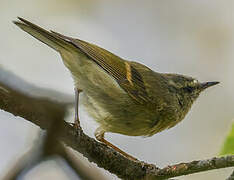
123 96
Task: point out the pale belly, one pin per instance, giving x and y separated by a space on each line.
117 117
126 117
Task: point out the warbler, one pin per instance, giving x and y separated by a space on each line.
123 96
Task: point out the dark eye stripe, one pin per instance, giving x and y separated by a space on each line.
188 89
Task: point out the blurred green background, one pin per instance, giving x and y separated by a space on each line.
190 37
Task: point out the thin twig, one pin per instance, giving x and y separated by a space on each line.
195 166
24 162
16 168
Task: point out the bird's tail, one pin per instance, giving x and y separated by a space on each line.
43 35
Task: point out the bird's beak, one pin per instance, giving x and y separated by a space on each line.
208 84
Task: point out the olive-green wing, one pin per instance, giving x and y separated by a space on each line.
121 70
43 35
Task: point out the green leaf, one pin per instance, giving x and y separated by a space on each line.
228 146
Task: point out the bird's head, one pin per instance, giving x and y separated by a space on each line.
187 88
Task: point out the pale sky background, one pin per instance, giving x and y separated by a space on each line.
190 37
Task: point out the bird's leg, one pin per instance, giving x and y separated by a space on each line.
99 134
77 121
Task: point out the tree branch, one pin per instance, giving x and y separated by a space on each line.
42 112
196 166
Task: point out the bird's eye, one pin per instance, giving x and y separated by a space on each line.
188 89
